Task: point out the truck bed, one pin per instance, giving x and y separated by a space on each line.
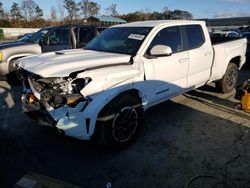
225 49
219 40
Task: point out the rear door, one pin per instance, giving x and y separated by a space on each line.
200 54
166 76
58 39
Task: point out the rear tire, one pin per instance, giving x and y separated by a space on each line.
122 129
229 81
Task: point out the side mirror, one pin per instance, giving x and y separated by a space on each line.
161 50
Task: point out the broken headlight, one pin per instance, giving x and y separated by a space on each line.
79 83
58 92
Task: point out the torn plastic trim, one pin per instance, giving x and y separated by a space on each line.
73 121
37 95
66 110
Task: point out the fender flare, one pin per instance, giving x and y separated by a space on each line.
99 103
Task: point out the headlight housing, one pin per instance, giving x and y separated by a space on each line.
58 92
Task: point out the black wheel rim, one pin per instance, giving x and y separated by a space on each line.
231 79
125 124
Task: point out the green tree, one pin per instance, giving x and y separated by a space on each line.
167 14
111 10
61 9
164 15
38 13
2 12
94 8
28 7
179 14
53 14
89 8
15 12
1 34
72 8
84 7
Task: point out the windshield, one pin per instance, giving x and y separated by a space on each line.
38 35
25 38
124 40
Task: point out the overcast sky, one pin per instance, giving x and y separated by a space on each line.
199 8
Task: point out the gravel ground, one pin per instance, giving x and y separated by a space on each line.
199 133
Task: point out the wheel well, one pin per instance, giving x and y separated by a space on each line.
15 58
236 61
131 92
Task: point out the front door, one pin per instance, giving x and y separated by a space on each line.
58 39
166 76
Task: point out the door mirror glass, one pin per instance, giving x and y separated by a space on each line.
161 50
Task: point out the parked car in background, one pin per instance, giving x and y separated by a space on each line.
235 30
45 40
232 34
103 89
244 29
247 35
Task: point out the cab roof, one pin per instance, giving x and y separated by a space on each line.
155 23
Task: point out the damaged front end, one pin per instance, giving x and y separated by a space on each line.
58 92
56 101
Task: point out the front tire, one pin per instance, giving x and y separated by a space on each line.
122 129
229 81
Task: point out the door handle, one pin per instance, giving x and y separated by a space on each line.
183 60
208 53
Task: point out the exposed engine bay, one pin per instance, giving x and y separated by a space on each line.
57 92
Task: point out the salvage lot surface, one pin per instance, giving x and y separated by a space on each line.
194 134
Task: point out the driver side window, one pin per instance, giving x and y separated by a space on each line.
60 36
171 37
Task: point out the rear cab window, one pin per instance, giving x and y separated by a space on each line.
193 36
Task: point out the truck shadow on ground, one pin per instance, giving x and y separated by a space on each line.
176 143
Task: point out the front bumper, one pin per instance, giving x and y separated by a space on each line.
36 112
73 122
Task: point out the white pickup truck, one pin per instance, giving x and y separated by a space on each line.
103 89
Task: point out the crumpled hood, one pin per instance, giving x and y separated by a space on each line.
63 63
